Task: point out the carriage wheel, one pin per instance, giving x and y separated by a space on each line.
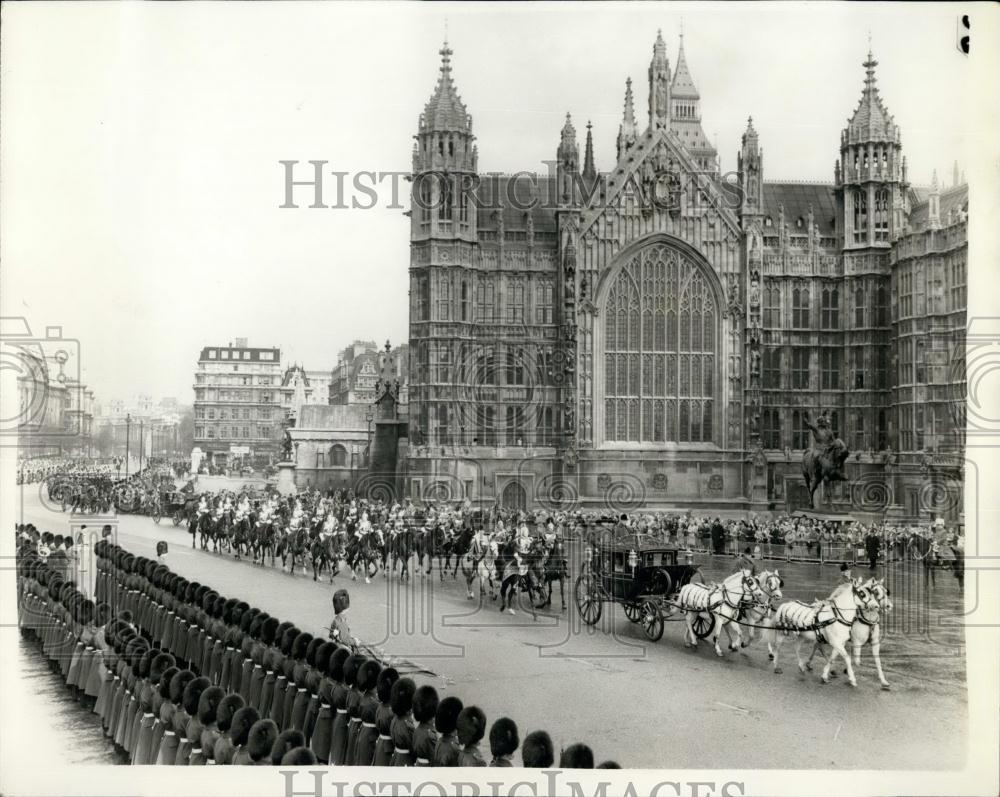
703 624
588 603
633 611
652 621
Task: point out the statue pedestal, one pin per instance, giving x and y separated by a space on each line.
286 478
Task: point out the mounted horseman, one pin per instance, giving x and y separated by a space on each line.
824 461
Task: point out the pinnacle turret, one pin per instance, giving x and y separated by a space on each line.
589 172
627 130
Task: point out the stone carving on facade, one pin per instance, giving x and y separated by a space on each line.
733 305
498 217
754 364
753 297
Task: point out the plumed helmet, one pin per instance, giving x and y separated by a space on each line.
263 734
401 696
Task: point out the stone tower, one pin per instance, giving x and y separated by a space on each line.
443 235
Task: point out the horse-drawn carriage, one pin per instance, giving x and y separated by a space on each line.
177 505
641 574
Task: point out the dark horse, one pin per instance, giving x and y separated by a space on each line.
555 568
819 466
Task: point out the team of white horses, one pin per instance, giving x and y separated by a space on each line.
851 615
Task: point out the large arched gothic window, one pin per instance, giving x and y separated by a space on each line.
660 350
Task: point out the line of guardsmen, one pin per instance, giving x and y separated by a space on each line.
181 675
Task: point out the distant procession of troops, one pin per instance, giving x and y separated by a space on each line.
181 675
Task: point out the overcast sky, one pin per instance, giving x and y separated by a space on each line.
140 145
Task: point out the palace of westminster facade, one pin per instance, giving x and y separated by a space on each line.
655 335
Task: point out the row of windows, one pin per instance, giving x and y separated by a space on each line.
233 432
859 437
830 307
444 363
209 394
224 354
487 309
878 217
781 371
229 379
449 201
488 426
236 413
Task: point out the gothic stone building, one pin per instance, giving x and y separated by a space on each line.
654 335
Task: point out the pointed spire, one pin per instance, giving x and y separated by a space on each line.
445 109
934 183
659 86
954 174
871 120
568 154
683 84
589 172
659 46
627 130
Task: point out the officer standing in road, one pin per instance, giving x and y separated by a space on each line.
340 632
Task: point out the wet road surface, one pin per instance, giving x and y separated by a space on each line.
641 704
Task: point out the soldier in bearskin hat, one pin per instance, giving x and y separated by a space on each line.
503 742
401 729
224 749
243 721
447 749
367 681
384 716
471 727
425 704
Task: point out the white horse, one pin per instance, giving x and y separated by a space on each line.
480 560
726 601
828 621
758 613
867 629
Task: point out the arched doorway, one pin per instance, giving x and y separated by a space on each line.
514 496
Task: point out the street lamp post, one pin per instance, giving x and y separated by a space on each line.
128 432
369 416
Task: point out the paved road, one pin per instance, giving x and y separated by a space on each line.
643 705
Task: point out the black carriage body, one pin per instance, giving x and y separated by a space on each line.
633 569
642 575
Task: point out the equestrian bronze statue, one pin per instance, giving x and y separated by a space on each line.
824 461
